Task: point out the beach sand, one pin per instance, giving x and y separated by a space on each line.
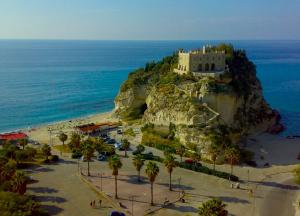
41 133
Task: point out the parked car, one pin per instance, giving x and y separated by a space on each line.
101 157
103 135
192 162
148 155
116 213
118 146
83 158
111 141
106 139
107 153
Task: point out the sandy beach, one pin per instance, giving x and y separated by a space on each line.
42 135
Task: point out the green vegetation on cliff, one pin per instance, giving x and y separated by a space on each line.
154 73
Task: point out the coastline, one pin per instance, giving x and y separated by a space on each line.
41 133
83 117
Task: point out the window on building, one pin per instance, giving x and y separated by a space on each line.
200 67
206 67
213 67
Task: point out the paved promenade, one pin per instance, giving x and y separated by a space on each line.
62 192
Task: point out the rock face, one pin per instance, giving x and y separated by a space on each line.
195 104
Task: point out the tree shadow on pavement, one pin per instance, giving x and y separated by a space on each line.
177 186
67 161
52 210
43 190
43 169
54 199
180 208
233 200
278 185
133 179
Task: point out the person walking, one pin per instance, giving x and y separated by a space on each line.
100 202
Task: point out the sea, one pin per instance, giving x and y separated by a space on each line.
44 81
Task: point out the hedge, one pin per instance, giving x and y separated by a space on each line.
201 169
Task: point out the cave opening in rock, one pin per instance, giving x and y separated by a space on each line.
143 108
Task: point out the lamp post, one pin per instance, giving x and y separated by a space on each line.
132 199
101 181
50 136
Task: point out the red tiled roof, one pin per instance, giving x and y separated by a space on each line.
13 136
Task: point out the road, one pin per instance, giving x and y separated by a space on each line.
279 201
62 192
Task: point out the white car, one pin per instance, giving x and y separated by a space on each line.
117 146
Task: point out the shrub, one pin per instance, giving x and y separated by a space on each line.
194 167
213 207
297 174
76 154
12 204
208 171
129 132
54 158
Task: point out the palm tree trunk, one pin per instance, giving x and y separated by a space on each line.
89 168
139 176
152 203
170 183
231 167
214 165
116 187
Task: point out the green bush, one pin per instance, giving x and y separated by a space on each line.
76 154
208 171
54 158
193 167
12 204
129 132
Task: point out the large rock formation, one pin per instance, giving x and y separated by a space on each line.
197 104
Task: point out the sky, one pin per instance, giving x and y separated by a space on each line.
150 19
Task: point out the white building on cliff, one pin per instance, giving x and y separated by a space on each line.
205 62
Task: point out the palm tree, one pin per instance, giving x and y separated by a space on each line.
180 151
115 164
8 170
46 149
138 162
88 151
125 146
213 207
63 137
75 141
233 155
140 149
214 151
170 164
23 142
152 171
19 182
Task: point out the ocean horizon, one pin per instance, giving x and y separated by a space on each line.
45 81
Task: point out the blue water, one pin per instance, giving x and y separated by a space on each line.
46 81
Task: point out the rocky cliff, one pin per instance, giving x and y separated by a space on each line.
196 105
